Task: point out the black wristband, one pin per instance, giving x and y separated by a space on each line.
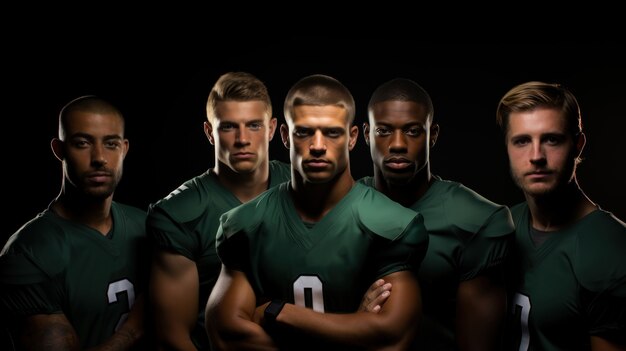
271 312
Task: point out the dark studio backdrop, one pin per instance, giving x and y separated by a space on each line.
160 80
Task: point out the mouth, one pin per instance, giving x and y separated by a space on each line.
397 163
538 175
99 177
243 155
316 163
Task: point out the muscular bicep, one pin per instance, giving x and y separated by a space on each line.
601 344
481 306
229 315
48 332
403 309
174 287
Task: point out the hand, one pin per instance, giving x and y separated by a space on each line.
375 297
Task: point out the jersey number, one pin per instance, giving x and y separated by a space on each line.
308 292
523 303
116 288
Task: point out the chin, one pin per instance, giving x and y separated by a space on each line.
398 179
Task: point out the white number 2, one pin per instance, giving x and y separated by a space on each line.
524 303
119 287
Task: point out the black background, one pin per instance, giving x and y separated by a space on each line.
159 73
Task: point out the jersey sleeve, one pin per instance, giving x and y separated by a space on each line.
399 244
232 242
167 233
171 221
26 290
32 268
406 252
487 231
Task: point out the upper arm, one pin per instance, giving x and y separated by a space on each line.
481 307
402 312
229 315
483 296
48 332
174 285
601 344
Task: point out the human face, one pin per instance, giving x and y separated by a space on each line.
93 152
541 150
319 139
241 135
399 138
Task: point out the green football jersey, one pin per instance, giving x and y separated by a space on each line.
52 265
571 287
468 235
186 221
329 266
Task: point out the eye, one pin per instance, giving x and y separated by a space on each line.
520 141
80 143
413 131
333 132
255 126
301 132
112 144
383 131
553 140
225 127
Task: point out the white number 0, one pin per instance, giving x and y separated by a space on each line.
312 283
524 303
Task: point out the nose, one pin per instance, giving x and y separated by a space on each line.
98 155
242 136
537 153
398 142
318 143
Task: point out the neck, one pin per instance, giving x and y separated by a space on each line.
408 193
314 200
90 211
245 186
559 209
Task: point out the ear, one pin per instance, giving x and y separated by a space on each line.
126 147
208 131
434 134
366 132
284 134
272 128
581 140
354 135
57 149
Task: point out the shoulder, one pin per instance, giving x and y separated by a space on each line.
42 242
280 172
469 210
188 201
373 211
131 212
367 180
601 238
251 213
134 217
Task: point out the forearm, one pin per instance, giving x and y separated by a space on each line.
47 332
393 327
362 329
241 334
130 333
